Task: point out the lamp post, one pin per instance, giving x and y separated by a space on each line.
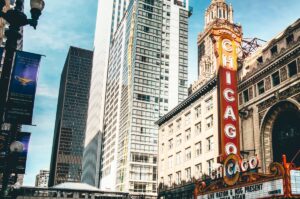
16 19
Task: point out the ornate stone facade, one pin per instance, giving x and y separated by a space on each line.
269 85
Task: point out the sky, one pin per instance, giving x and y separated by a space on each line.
72 23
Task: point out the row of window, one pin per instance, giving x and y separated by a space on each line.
198 146
271 81
198 127
187 173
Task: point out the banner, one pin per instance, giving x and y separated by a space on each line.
13 151
22 88
4 148
18 152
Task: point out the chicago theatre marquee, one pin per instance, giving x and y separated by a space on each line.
237 135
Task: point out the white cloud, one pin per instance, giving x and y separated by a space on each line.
47 91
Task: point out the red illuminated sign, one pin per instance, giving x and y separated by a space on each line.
228 100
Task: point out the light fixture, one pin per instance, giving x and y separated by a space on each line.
37 4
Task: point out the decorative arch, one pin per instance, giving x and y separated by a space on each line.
268 123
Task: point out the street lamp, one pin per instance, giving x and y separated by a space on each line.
16 19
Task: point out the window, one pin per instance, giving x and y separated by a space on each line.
198 128
188 174
139 187
178 124
143 97
162 148
146 29
178 177
274 50
198 111
188 154
198 149
170 179
170 129
209 122
171 144
162 180
290 39
260 60
261 87
210 166
198 170
149 15
178 140
246 95
178 158
209 104
188 134
292 68
276 78
170 162
187 118
210 143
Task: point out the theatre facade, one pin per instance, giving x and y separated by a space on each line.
269 99
237 134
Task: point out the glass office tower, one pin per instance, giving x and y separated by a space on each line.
70 124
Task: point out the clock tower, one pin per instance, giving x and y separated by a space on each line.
218 50
218 15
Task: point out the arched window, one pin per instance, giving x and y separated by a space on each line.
220 13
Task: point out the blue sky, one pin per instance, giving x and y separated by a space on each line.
66 23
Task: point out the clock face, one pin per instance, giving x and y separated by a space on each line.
17 147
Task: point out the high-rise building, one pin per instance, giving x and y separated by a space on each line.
70 124
41 179
146 76
110 13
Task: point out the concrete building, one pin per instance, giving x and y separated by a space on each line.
189 134
269 99
141 67
41 179
70 124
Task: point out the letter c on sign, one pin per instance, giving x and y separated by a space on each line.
230 148
244 165
253 162
229 95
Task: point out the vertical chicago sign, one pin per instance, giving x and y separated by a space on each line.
227 40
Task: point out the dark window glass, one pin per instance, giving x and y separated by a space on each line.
292 68
276 79
146 29
290 39
274 50
261 87
246 95
260 59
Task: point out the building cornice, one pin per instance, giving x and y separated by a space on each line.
269 66
192 98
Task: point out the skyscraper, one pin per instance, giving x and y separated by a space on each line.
70 124
109 15
146 77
